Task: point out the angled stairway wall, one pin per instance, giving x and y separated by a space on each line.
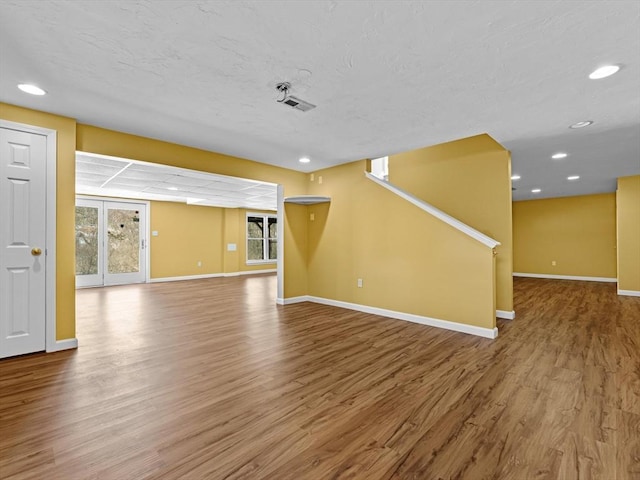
469 179
412 265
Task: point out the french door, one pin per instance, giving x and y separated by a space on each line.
110 242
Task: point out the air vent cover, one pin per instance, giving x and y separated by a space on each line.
298 104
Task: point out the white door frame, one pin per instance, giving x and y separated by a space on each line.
145 226
50 228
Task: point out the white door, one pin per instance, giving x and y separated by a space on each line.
110 243
23 160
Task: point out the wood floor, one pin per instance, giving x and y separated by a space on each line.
209 379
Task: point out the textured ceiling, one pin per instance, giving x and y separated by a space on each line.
386 76
118 177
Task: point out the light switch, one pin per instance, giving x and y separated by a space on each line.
231 247
312 217
320 179
311 177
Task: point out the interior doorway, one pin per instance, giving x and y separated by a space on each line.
111 242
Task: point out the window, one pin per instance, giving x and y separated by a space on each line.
380 167
262 238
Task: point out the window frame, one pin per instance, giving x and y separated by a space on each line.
265 238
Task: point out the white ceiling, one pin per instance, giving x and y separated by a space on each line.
386 76
118 177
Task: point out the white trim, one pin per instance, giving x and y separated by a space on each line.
210 275
280 245
51 219
409 317
67 344
506 315
565 277
439 214
251 272
307 199
292 300
629 293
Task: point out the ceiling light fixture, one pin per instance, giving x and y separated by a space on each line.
304 160
172 188
31 89
559 155
515 177
536 190
604 72
574 177
583 124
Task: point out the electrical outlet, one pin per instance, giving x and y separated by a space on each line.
199 263
359 283
312 217
553 263
320 179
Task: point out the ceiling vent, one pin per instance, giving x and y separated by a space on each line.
290 100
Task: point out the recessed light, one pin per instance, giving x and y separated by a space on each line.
515 177
559 155
583 124
536 190
304 160
172 188
31 89
574 177
604 72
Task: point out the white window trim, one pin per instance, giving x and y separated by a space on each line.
265 240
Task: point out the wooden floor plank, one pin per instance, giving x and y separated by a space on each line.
209 379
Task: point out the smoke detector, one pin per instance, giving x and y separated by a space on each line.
290 100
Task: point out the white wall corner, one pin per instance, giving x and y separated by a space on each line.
66 344
506 315
629 293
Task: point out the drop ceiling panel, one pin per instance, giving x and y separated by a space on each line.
147 181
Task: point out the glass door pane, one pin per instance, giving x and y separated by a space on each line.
123 240
88 243
125 261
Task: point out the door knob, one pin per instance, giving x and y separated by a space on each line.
36 252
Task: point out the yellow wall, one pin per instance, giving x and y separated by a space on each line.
65 193
578 233
628 215
409 261
188 234
296 272
469 179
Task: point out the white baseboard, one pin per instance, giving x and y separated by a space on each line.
565 277
291 300
209 275
629 293
506 315
409 317
67 344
